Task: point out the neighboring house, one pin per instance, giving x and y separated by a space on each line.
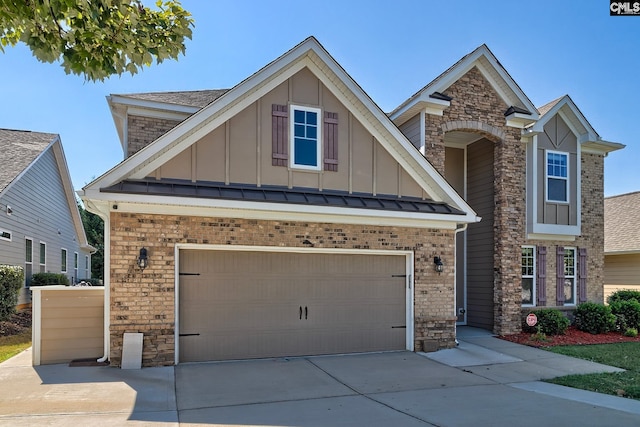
40 226
621 243
290 216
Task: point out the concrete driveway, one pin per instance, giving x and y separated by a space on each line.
485 381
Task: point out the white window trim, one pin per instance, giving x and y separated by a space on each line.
292 163
66 260
42 266
574 276
2 231
76 265
546 177
534 290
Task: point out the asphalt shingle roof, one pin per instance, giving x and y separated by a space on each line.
193 98
548 106
622 223
18 149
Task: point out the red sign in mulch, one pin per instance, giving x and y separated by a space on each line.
532 319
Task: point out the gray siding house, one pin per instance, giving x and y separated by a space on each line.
40 225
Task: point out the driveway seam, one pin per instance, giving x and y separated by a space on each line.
371 398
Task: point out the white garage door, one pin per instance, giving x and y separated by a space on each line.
239 305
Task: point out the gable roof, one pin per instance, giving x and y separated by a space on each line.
430 97
621 219
20 150
588 138
311 55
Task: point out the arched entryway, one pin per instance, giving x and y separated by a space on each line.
469 168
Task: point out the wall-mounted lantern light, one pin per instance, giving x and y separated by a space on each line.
143 260
437 261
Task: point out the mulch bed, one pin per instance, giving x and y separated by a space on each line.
18 323
572 337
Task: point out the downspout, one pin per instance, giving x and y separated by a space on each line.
455 277
104 214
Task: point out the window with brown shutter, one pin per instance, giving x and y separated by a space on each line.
541 275
279 132
582 275
331 142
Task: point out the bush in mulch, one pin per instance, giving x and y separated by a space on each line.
17 323
573 336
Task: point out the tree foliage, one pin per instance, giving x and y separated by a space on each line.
94 229
96 38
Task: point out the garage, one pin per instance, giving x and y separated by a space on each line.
244 304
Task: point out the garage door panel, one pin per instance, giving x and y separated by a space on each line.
248 304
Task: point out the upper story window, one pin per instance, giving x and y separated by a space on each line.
557 177
305 137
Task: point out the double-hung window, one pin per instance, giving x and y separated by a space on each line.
63 258
28 261
528 266
557 176
305 141
570 276
43 257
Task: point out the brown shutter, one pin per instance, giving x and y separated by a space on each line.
541 275
279 132
582 275
560 276
331 141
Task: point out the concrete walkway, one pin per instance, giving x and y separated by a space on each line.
485 381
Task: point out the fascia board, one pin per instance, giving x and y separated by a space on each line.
162 205
151 105
622 252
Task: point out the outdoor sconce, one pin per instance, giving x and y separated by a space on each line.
438 263
143 260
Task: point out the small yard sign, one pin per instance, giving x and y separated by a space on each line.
532 319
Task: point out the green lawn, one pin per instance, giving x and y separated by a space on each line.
622 355
14 344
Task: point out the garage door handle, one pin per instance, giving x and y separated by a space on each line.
305 312
300 312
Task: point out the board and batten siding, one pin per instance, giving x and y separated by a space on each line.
41 213
241 150
68 324
480 236
621 272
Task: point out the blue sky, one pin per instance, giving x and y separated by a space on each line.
391 49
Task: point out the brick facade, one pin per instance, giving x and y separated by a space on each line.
145 301
142 131
476 108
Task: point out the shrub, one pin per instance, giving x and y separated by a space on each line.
11 280
49 279
631 332
551 321
594 318
624 295
627 313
